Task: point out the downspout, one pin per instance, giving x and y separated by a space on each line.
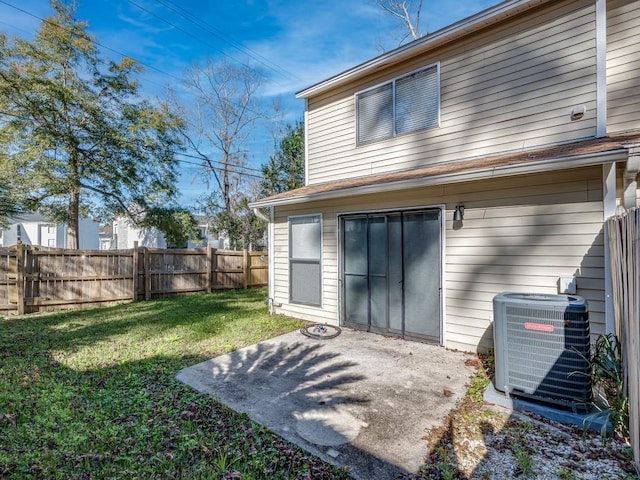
630 177
609 209
608 169
271 274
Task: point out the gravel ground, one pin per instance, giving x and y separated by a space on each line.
487 442
529 447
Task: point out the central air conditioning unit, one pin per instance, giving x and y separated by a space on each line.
541 345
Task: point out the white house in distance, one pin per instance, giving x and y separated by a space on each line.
125 235
37 230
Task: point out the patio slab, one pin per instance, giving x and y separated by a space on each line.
360 400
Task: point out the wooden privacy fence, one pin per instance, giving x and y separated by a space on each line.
624 235
36 279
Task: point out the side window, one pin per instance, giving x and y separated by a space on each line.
305 246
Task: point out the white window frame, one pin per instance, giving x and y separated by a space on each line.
293 260
393 106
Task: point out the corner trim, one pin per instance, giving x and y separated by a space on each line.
601 68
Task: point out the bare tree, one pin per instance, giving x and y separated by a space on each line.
408 13
225 108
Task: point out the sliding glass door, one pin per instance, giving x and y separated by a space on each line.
391 272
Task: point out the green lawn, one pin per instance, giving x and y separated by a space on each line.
92 394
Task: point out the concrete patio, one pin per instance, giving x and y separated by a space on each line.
360 400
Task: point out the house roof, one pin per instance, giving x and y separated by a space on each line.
570 155
29 217
481 20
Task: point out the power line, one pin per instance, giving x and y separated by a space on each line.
219 169
189 17
201 164
95 42
89 39
217 161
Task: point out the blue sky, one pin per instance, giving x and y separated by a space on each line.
298 43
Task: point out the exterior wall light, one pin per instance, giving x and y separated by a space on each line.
458 214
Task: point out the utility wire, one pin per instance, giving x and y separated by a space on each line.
86 37
89 39
202 160
191 18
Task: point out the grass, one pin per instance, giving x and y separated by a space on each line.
92 394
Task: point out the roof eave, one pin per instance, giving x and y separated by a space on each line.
447 34
559 163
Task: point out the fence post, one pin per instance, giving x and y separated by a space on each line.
209 269
20 266
134 295
147 273
246 262
214 268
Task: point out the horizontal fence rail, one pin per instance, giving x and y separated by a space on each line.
34 279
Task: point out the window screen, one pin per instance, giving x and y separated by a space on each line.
305 235
417 101
406 104
375 114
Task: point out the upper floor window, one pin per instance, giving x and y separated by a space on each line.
403 105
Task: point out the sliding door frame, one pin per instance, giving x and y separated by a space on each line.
386 211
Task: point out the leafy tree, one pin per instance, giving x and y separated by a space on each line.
239 224
285 169
10 204
176 224
244 228
76 133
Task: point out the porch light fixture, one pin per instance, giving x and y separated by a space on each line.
458 214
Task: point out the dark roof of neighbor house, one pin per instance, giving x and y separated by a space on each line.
570 155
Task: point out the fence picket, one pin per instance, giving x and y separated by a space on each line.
624 236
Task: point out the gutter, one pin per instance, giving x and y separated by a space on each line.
260 214
560 163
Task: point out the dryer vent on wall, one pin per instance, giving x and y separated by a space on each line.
540 341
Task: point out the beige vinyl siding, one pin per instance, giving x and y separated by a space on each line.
506 89
519 234
623 65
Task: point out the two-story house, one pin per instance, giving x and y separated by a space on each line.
479 159
38 230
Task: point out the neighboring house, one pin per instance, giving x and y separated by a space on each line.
124 236
479 159
107 242
38 230
207 235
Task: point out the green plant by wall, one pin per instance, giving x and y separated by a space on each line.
608 378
